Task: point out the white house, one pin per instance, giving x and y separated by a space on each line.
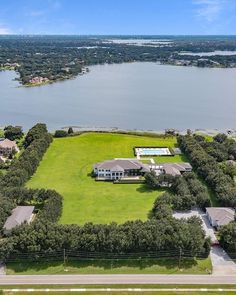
119 168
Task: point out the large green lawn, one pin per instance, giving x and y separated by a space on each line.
103 266
67 165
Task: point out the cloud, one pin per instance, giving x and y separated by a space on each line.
4 30
209 10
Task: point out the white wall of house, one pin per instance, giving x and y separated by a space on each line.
108 174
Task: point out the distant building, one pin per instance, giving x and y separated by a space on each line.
7 146
220 216
38 80
119 168
19 215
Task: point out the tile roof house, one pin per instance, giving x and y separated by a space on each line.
19 215
7 146
119 168
220 216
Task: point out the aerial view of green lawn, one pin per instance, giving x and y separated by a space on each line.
116 266
67 165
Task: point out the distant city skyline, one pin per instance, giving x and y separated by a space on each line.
130 17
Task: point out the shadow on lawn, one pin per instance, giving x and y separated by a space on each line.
143 188
103 264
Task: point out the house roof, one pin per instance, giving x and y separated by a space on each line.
221 215
170 169
6 143
19 215
176 168
123 164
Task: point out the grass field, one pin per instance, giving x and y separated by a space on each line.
67 165
143 266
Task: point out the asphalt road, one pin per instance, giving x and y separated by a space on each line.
116 279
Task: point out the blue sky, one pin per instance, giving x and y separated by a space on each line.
118 17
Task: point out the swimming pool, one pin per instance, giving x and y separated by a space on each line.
152 151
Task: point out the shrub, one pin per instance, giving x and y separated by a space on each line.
60 133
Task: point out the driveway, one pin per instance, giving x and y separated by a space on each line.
222 264
205 222
2 269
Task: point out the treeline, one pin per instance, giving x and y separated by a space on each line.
221 148
185 191
36 143
209 169
227 234
12 193
131 237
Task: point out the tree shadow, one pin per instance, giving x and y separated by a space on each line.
143 188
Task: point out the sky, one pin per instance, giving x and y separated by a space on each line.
118 17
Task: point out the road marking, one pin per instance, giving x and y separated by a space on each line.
121 290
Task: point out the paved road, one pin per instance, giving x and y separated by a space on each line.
117 279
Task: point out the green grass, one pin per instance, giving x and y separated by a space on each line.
103 266
170 159
67 165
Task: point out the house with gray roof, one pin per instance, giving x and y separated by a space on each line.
219 216
119 168
19 215
176 169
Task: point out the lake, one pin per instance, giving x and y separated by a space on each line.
134 96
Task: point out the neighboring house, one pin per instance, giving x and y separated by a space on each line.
7 146
176 169
119 168
19 215
219 216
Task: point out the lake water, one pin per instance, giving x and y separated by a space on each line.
136 95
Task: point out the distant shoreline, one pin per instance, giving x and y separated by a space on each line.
210 132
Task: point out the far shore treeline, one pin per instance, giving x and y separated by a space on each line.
161 232
38 62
